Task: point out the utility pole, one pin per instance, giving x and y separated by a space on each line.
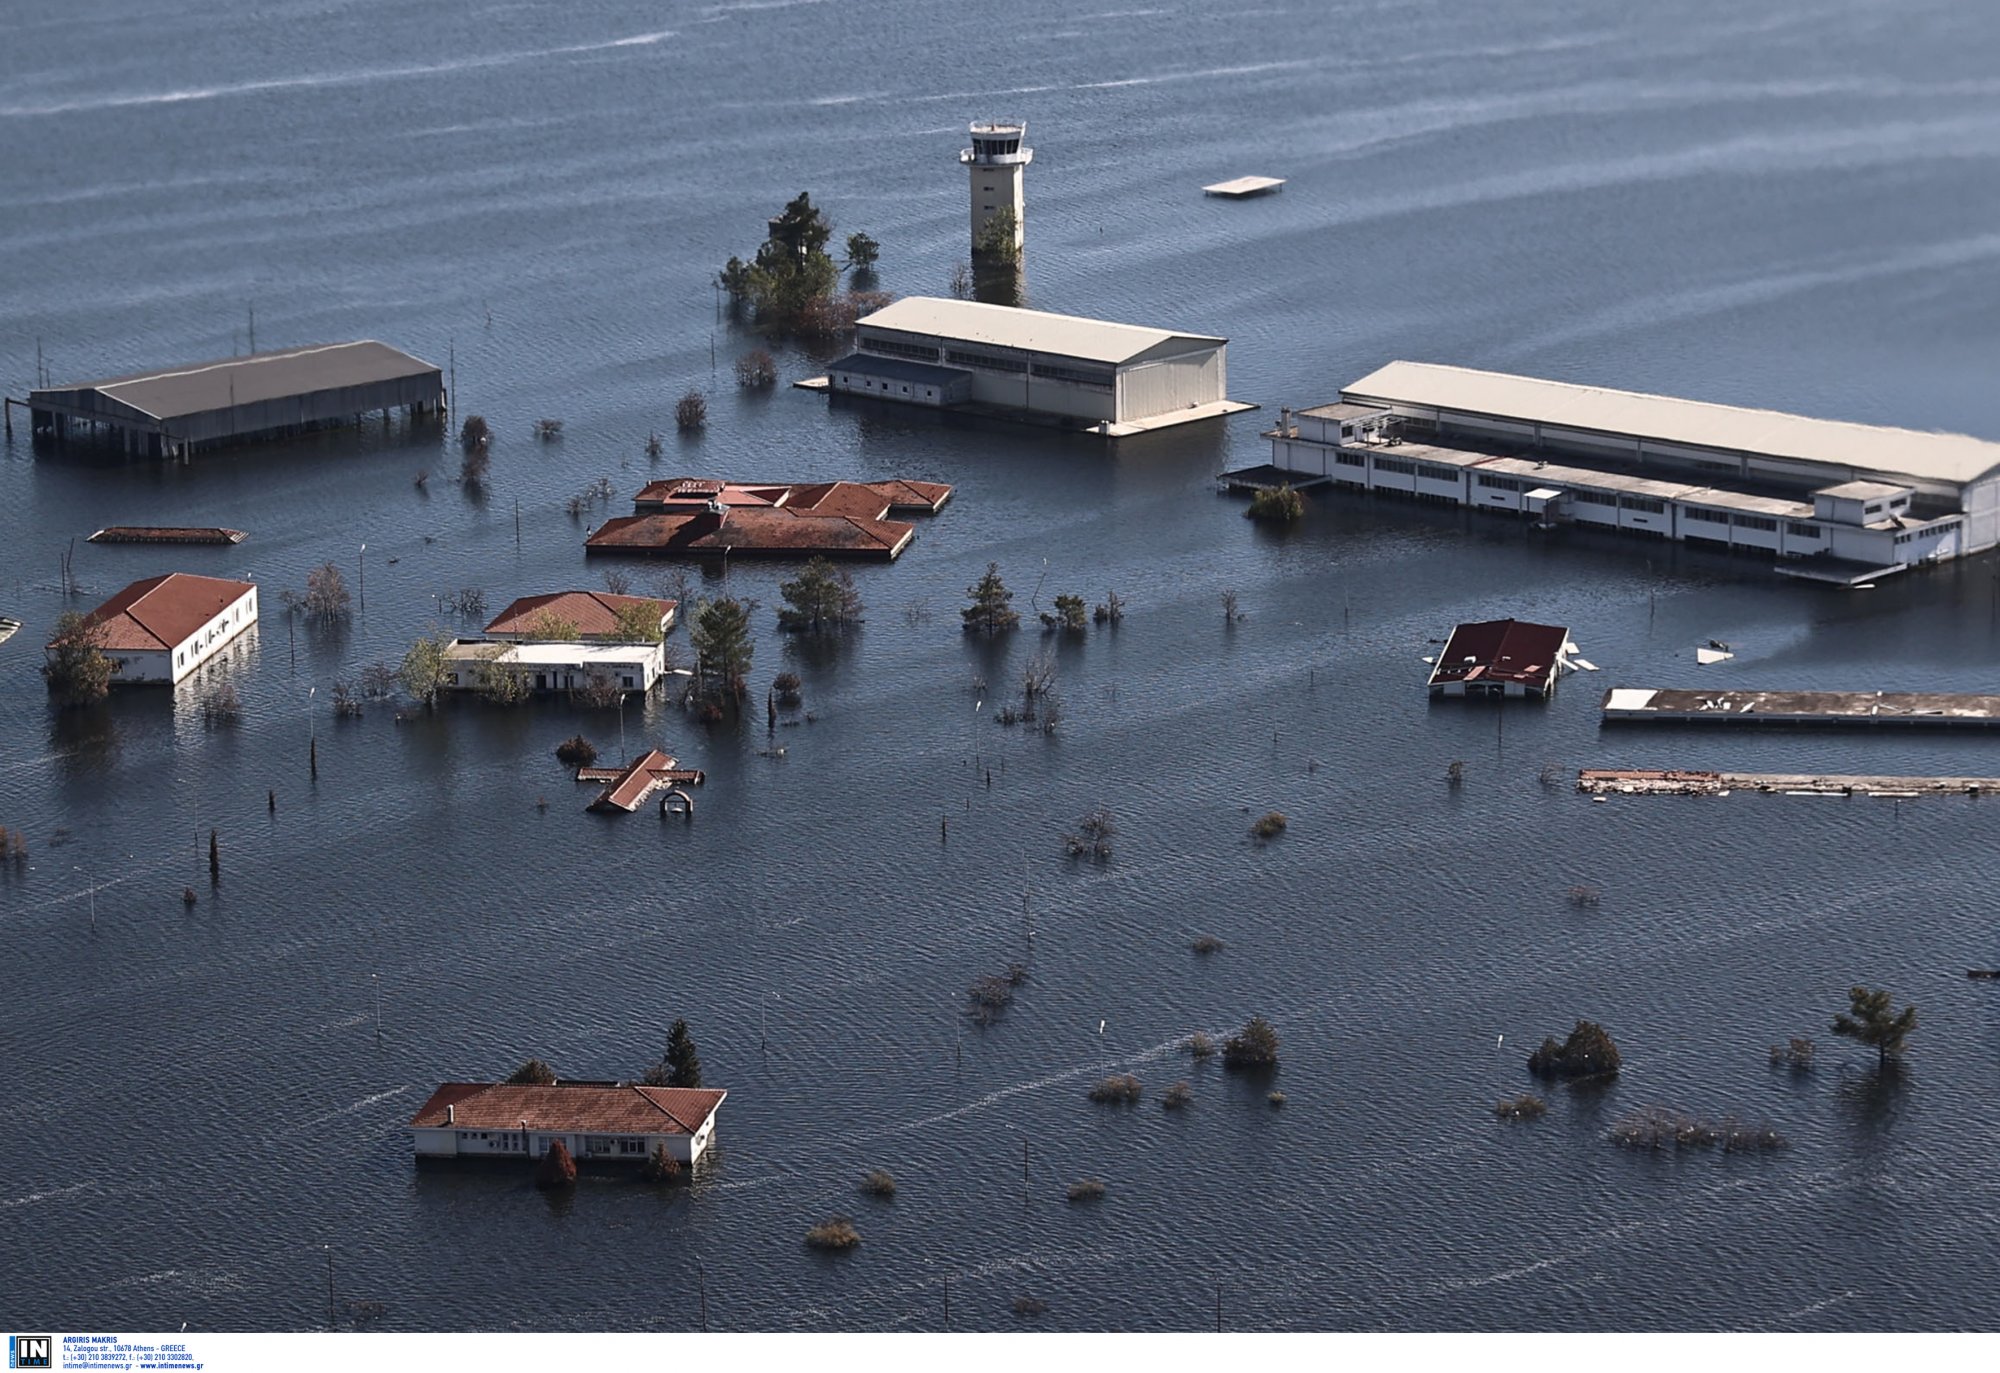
253 327
376 978
701 1275
332 1312
364 576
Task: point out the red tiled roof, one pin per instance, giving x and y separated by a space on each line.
1501 650
636 782
583 1108
594 613
160 612
751 530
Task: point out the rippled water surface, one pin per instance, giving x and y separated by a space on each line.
1788 205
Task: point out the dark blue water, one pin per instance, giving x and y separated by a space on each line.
1789 206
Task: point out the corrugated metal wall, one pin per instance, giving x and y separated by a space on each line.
1154 388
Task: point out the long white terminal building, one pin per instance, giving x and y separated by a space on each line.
1834 501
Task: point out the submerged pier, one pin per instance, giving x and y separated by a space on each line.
1841 708
1685 782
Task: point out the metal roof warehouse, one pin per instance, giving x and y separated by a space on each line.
170 411
1085 374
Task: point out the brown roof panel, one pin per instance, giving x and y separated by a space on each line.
1504 650
594 613
160 612
584 1108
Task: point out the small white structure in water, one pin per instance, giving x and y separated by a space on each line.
997 160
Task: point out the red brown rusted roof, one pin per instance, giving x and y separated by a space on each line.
583 1108
753 531
632 786
594 613
1501 650
160 612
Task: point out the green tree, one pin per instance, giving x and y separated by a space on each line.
554 628
791 280
680 1065
992 608
1871 1020
425 667
533 1073
78 672
862 253
638 624
995 241
1587 1053
822 597
1254 1046
1071 615
499 683
734 279
720 633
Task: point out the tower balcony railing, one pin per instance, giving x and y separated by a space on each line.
1015 159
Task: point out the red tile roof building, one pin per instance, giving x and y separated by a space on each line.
614 1122
594 613
696 516
1500 658
163 628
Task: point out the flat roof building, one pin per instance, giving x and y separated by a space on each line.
162 628
168 413
1085 374
1832 500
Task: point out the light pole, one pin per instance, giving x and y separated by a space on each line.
332 1312
763 1019
621 726
92 889
376 978
364 576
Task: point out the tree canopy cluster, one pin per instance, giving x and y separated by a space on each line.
790 283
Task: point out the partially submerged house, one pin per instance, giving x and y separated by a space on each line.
702 517
606 1122
568 641
163 628
1501 658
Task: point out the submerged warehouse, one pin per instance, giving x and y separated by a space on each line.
1085 374
1832 501
171 412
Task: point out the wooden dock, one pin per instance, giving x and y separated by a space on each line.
141 533
1684 782
1836 708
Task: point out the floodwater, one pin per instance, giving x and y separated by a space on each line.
1788 205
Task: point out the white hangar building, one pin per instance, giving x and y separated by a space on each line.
1834 501
1087 374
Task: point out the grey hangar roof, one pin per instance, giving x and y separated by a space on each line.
1034 331
175 392
1933 456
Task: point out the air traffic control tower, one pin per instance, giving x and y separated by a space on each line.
997 159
